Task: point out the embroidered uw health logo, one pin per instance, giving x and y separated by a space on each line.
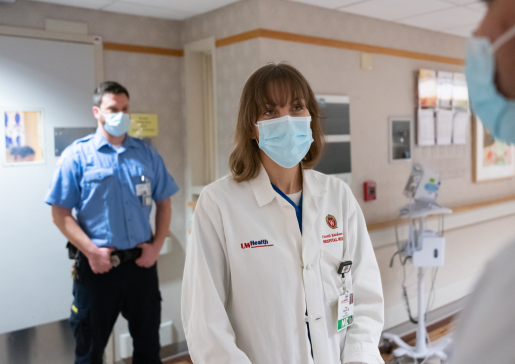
331 221
256 244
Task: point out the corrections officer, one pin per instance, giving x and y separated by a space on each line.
110 179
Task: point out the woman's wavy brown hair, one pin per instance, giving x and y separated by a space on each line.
273 84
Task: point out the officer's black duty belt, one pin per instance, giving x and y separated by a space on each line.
117 256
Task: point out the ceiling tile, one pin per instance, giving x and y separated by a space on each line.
445 19
331 4
90 4
395 9
465 31
461 2
480 6
191 6
146 10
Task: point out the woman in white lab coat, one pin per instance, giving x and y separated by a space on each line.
261 282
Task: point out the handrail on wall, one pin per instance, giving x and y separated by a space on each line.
455 210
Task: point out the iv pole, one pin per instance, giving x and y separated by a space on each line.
421 349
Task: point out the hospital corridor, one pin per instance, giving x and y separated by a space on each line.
257 181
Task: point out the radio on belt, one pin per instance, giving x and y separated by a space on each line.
345 267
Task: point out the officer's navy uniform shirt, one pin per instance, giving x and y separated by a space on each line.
99 182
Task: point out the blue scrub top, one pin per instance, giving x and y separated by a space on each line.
298 209
99 182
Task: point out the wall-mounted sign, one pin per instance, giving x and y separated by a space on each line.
63 137
143 125
336 157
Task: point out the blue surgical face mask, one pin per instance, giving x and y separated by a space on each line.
285 140
117 124
496 112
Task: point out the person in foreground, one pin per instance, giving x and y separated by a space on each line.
263 276
486 327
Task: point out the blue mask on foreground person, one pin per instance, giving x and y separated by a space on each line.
286 140
496 112
117 124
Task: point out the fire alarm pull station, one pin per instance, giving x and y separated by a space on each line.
369 190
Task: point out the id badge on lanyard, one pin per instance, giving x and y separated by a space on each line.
346 300
144 192
345 310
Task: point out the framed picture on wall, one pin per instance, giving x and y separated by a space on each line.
492 159
22 140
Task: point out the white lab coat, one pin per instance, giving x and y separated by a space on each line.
244 305
485 329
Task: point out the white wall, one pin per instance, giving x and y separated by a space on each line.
57 78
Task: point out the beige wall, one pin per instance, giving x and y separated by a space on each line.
305 19
232 19
155 83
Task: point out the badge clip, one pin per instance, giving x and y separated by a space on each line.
344 267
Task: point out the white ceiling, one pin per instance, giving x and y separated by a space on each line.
167 9
458 17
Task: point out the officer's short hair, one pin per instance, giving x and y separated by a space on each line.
22 152
108 87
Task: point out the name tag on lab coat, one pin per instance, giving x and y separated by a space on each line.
143 189
345 310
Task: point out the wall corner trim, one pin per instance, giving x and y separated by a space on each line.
119 47
335 43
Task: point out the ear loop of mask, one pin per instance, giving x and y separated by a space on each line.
503 39
257 139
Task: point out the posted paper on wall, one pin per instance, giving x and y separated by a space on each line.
426 127
444 127
427 88
444 89
460 127
460 94
143 125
